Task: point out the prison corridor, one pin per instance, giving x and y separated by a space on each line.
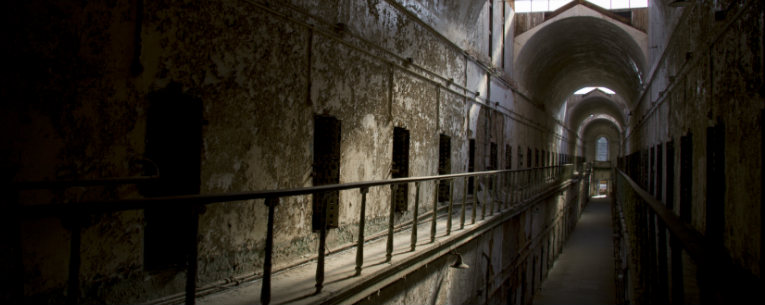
584 271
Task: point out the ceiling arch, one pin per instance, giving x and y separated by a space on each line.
578 50
601 128
579 110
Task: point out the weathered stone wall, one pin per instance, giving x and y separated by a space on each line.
708 71
77 99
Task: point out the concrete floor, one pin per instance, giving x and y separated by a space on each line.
584 272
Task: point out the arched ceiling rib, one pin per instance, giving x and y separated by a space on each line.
580 51
594 105
600 127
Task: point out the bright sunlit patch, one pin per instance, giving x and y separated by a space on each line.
529 6
599 196
586 90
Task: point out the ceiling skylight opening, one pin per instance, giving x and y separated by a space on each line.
535 6
586 90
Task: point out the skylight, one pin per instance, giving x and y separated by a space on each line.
529 6
586 90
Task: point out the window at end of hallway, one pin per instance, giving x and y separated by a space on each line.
602 152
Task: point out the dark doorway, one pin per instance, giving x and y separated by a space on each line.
326 170
528 157
520 157
715 183
400 167
174 143
444 165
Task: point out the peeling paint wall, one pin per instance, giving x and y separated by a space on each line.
77 102
708 70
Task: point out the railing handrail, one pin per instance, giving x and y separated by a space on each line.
44 210
54 184
690 239
536 178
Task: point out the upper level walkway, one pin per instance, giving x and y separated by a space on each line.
584 272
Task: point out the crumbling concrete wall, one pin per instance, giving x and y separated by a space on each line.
708 72
77 101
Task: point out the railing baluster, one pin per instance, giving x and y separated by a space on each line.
451 204
322 249
191 259
265 289
435 211
17 263
389 246
475 199
491 194
362 221
464 201
416 215
485 200
73 283
508 189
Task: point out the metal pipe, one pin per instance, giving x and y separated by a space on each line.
483 204
45 210
449 211
31 185
435 214
416 213
362 219
73 282
389 245
191 259
320 260
475 200
265 289
464 201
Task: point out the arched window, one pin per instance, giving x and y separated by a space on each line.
602 152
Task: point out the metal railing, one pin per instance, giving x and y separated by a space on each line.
507 188
699 270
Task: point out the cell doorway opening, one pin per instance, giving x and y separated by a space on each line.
602 189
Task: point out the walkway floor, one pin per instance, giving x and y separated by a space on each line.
584 272
297 285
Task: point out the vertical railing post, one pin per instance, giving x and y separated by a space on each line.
449 211
73 282
435 211
416 215
526 184
265 289
362 222
506 183
491 194
320 260
464 201
498 202
389 245
13 219
475 199
192 255
486 194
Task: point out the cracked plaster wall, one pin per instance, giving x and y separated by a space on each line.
77 104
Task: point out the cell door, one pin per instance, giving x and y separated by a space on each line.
326 170
444 165
400 168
